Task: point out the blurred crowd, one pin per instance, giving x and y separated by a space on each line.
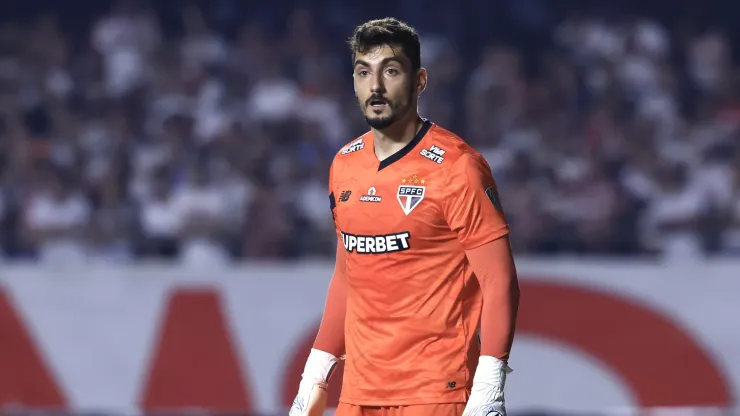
126 139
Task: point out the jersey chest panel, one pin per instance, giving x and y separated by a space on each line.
393 210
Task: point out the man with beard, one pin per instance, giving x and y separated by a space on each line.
424 296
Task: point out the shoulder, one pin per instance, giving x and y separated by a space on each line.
452 152
349 153
353 147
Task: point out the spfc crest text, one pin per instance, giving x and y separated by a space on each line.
409 197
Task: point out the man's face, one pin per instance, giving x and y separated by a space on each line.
385 85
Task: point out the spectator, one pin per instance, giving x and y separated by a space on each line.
671 221
160 226
57 217
201 213
193 137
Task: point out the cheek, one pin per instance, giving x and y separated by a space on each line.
359 88
361 98
402 92
400 98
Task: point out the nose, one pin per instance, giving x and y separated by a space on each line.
377 86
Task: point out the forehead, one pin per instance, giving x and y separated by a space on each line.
381 53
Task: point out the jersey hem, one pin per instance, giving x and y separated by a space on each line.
417 401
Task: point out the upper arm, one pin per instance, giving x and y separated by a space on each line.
332 198
339 265
492 261
340 253
330 337
472 207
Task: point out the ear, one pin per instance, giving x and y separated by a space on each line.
421 81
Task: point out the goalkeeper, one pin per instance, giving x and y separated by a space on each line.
424 296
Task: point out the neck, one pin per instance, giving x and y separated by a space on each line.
393 138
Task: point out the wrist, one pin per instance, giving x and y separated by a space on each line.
491 371
319 367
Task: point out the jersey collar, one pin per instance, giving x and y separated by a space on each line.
406 149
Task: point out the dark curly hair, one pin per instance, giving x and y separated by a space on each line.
387 31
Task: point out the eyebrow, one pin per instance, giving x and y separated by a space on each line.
383 62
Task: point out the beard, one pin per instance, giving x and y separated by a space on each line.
382 122
396 111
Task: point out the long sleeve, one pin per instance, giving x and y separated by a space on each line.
473 210
494 268
331 332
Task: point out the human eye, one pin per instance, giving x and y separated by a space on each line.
392 71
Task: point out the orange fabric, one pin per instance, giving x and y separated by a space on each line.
494 269
438 409
331 332
413 302
330 337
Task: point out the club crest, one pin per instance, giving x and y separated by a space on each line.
410 193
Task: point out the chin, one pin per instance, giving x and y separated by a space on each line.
380 123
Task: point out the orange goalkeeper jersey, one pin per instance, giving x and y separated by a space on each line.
413 303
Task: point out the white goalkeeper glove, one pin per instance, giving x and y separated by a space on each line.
312 390
487 394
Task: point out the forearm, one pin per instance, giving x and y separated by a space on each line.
328 347
494 267
330 337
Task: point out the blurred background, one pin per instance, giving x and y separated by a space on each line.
148 145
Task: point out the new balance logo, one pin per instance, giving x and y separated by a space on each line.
376 244
344 196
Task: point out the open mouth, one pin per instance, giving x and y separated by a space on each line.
377 103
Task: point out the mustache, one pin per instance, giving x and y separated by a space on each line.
376 97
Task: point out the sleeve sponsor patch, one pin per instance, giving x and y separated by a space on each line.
492 194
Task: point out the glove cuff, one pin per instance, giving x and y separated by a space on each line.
491 371
319 367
